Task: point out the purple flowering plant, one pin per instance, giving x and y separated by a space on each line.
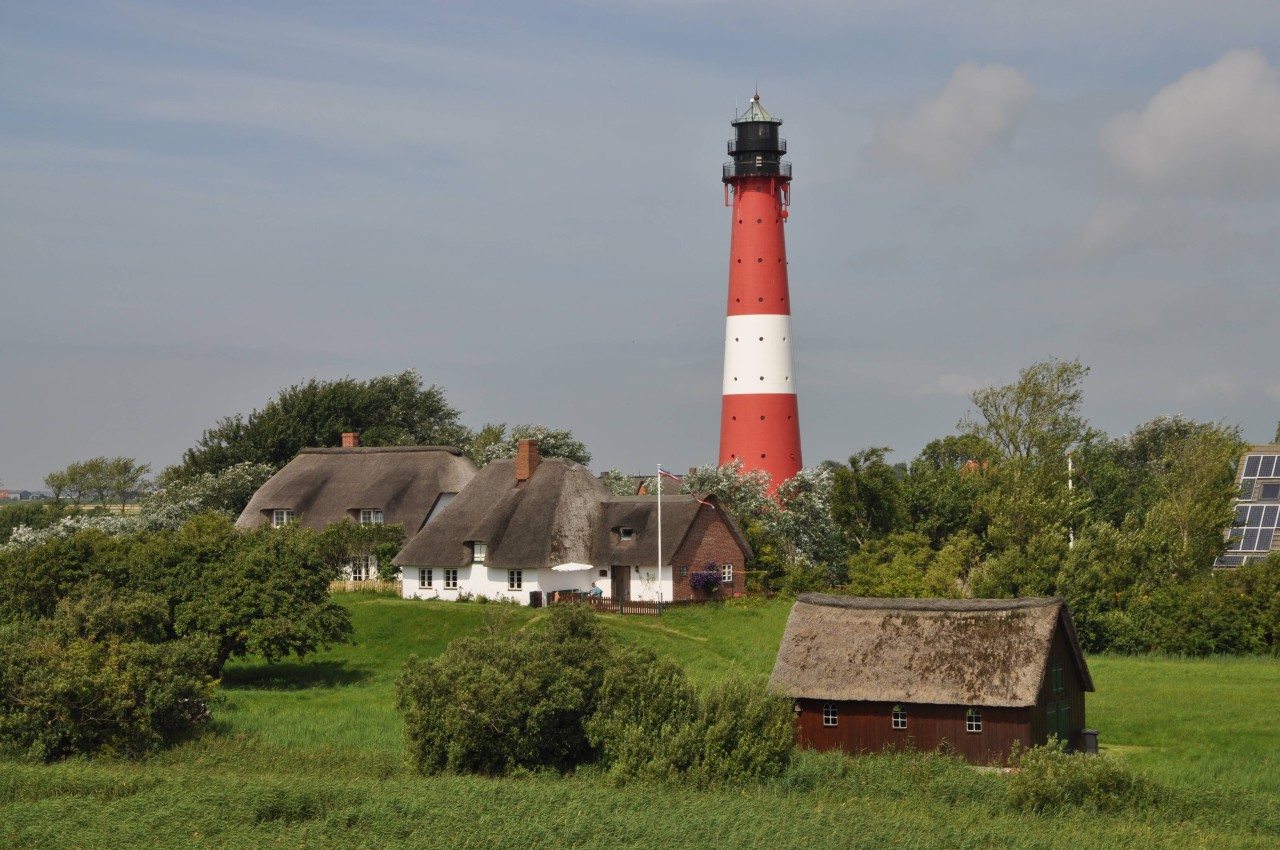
707 578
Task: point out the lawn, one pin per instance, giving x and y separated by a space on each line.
308 754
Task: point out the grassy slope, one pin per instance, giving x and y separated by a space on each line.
308 755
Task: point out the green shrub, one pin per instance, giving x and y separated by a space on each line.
100 677
1050 780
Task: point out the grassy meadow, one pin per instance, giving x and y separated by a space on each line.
309 754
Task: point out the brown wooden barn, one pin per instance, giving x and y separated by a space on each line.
971 675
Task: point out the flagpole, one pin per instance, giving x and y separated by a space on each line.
659 538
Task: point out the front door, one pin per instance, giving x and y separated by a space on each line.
621 584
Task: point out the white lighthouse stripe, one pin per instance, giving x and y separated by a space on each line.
757 355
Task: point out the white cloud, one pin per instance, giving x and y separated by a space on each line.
952 384
1215 128
947 135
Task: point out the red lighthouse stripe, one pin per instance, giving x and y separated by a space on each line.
758 251
763 431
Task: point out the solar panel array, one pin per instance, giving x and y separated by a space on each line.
1257 517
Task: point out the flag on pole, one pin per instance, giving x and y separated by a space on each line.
666 474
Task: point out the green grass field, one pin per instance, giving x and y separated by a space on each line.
309 754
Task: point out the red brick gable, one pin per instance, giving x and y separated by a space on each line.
709 539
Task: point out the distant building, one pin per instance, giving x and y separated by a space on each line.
969 675
1252 533
391 485
527 528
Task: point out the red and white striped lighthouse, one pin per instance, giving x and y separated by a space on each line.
759 422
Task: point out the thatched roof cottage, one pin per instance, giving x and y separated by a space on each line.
973 675
519 520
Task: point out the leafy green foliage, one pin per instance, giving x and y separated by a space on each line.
101 677
1050 780
102 478
389 410
33 515
567 694
868 498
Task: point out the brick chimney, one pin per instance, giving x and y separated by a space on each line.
351 439
527 460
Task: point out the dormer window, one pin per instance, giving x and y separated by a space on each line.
370 516
281 517
478 551
625 534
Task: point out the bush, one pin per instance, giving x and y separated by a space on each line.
100 677
1050 780
502 702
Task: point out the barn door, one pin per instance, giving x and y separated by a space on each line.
1059 721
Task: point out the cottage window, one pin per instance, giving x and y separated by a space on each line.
973 720
515 579
626 533
281 517
424 577
370 516
830 717
478 551
1058 684
450 579
726 573
363 567
899 717
684 571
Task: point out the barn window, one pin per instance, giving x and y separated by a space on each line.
973 720
829 715
899 717
1058 685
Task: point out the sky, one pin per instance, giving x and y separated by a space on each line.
203 203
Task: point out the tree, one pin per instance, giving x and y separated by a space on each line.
1030 424
388 410
491 444
126 477
868 499
943 485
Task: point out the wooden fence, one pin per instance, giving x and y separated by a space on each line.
373 586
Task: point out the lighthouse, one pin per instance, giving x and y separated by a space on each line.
759 420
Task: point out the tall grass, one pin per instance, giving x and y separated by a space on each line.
309 754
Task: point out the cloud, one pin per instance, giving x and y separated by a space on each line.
1216 128
946 136
952 384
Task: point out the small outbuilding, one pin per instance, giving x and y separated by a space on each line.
969 675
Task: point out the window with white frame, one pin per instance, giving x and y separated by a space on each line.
281 517
424 577
478 551
830 717
899 717
973 720
370 516
363 567
515 579
625 533
450 579
726 573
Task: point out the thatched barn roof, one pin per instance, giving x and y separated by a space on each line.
991 652
549 519
326 485
640 513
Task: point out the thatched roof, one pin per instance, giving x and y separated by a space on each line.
640 513
548 520
991 652
326 485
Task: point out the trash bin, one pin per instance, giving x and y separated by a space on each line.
1090 741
